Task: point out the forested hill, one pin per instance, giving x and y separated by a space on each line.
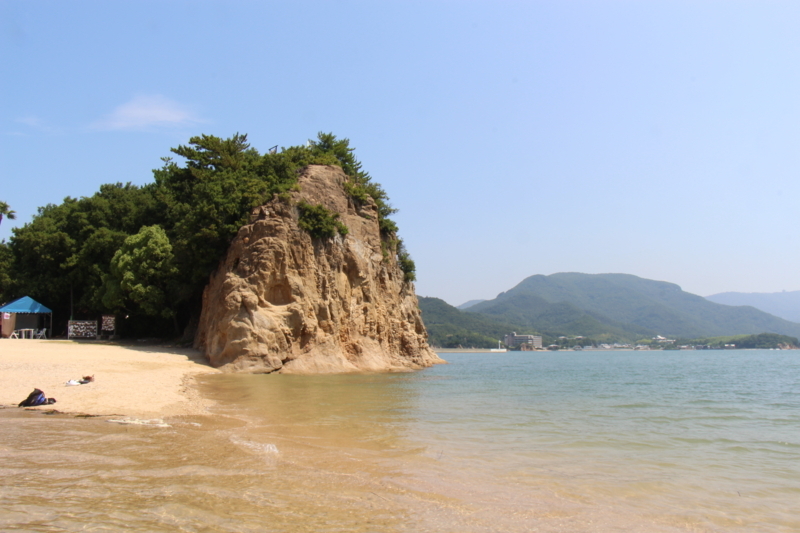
448 327
624 306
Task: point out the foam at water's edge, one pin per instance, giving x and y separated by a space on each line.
154 422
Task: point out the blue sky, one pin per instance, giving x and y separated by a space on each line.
660 139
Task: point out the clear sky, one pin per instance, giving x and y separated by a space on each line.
660 139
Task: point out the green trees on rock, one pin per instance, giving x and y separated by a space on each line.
360 186
123 247
406 263
319 221
204 202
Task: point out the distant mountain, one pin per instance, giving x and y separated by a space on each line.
623 306
783 304
469 304
448 327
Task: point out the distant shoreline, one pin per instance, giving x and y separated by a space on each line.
592 350
488 350
463 350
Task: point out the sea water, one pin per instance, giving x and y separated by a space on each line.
556 441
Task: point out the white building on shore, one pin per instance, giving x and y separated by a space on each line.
513 339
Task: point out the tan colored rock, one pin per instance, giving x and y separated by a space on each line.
284 301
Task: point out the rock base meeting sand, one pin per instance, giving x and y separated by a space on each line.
129 380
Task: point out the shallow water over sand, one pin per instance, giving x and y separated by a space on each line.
601 441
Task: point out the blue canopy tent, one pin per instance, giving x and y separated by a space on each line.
24 306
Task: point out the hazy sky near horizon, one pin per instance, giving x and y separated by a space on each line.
657 138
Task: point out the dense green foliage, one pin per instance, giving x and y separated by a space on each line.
319 221
142 274
207 200
6 262
80 257
63 253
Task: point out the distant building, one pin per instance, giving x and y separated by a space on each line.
663 340
515 340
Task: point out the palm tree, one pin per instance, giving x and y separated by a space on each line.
6 212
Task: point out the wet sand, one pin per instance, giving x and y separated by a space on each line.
136 380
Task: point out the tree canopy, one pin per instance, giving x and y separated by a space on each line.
120 249
142 275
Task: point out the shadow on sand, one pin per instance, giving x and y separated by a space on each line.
149 346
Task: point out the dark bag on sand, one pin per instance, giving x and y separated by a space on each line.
35 398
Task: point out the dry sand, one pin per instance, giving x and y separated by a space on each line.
134 381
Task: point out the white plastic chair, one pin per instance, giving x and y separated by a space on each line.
41 334
14 335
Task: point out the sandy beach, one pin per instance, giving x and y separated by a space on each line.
134 381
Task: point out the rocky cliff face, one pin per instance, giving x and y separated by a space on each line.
284 301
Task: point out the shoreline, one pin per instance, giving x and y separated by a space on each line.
130 380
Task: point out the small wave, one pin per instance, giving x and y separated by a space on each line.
257 446
154 422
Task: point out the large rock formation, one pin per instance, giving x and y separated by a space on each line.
284 301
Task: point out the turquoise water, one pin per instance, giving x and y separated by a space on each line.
687 440
570 441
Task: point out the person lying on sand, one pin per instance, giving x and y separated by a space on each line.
83 381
